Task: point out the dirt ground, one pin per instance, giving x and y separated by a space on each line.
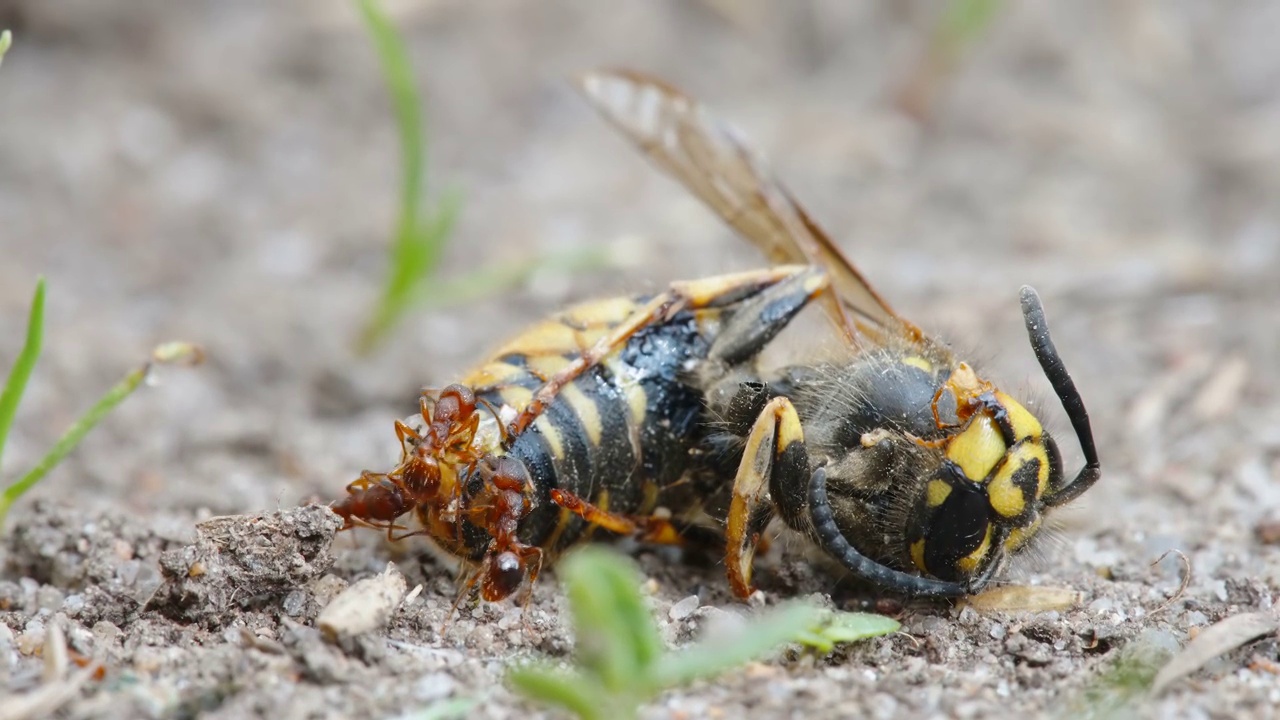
225 173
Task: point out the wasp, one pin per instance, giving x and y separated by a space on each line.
649 414
900 461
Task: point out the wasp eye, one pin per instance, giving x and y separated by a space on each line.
955 534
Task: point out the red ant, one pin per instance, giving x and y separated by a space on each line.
450 423
504 500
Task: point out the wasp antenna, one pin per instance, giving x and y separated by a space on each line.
835 544
1065 389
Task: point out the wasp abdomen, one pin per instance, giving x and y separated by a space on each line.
612 436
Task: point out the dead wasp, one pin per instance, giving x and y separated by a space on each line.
587 419
613 413
900 462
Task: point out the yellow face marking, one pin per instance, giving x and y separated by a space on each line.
586 411
1006 498
1019 537
916 361
555 443
491 375
936 493
549 337
917 555
601 312
977 448
515 396
1025 425
969 563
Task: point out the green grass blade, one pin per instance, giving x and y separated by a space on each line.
398 73
711 658
843 627
16 384
577 694
617 641
419 242
6 41
168 353
965 20
1122 685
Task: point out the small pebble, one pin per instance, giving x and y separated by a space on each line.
1102 605
684 608
364 607
434 686
49 597
295 602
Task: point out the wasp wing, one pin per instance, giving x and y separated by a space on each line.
680 136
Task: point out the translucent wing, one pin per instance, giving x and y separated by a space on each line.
681 137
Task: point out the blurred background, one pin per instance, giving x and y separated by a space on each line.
228 173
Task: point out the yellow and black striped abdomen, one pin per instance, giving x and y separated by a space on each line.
613 436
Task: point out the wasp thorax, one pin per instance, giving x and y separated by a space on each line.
985 500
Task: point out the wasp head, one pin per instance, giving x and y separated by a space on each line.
986 497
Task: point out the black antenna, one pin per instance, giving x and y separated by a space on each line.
1047 354
835 544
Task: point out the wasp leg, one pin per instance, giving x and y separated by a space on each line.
715 292
758 319
774 458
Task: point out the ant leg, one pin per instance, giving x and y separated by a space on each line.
425 406
405 434
367 478
502 429
531 558
593 514
404 431
405 536
532 555
473 577
650 528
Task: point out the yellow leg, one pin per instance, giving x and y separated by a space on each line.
775 445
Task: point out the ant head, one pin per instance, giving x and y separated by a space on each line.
505 473
502 574
455 404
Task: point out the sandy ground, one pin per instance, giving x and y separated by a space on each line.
225 172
